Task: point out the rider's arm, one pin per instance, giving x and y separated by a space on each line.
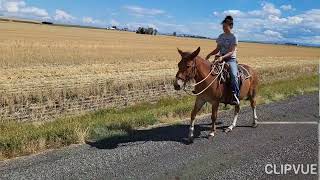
214 52
230 52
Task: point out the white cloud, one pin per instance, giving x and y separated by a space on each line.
90 20
215 13
35 11
140 11
63 16
270 9
306 30
235 13
294 20
267 9
19 8
287 7
12 6
276 19
311 19
255 13
272 34
268 23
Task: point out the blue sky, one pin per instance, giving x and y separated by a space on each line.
287 20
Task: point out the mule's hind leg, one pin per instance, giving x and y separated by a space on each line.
254 112
234 123
197 107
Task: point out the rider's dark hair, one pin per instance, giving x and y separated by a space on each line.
228 20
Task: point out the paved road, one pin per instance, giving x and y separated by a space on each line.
162 152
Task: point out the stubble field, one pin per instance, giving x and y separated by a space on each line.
49 71
46 71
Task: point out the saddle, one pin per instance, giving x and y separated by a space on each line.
243 73
225 79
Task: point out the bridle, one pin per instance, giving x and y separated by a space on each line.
188 77
194 68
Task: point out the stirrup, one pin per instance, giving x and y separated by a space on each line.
237 101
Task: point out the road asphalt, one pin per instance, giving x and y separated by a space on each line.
164 153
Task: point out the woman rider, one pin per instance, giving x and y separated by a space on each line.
227 50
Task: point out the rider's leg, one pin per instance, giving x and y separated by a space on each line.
234 79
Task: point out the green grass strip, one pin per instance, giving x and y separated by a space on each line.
18 139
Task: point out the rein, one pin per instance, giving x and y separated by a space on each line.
212 70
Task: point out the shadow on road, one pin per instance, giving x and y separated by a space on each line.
176 133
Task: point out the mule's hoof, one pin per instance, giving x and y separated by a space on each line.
227 130
211 135
254 125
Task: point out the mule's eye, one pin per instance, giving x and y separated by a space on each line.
188 66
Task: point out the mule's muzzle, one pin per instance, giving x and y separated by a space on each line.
178 84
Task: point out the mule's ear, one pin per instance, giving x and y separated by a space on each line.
180 52
195 53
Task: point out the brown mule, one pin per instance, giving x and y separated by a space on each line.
208 88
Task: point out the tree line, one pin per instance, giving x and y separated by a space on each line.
150 31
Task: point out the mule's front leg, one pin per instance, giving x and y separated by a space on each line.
215 107
197 107
254 112
234 123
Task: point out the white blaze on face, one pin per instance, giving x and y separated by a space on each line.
180 82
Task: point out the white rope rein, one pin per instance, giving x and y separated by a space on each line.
249 75
212 70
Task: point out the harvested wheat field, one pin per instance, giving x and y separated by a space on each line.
49 71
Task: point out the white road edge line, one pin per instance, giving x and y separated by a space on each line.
287 122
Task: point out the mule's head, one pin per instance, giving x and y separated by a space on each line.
186 68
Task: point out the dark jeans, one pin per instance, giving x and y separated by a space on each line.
234 76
